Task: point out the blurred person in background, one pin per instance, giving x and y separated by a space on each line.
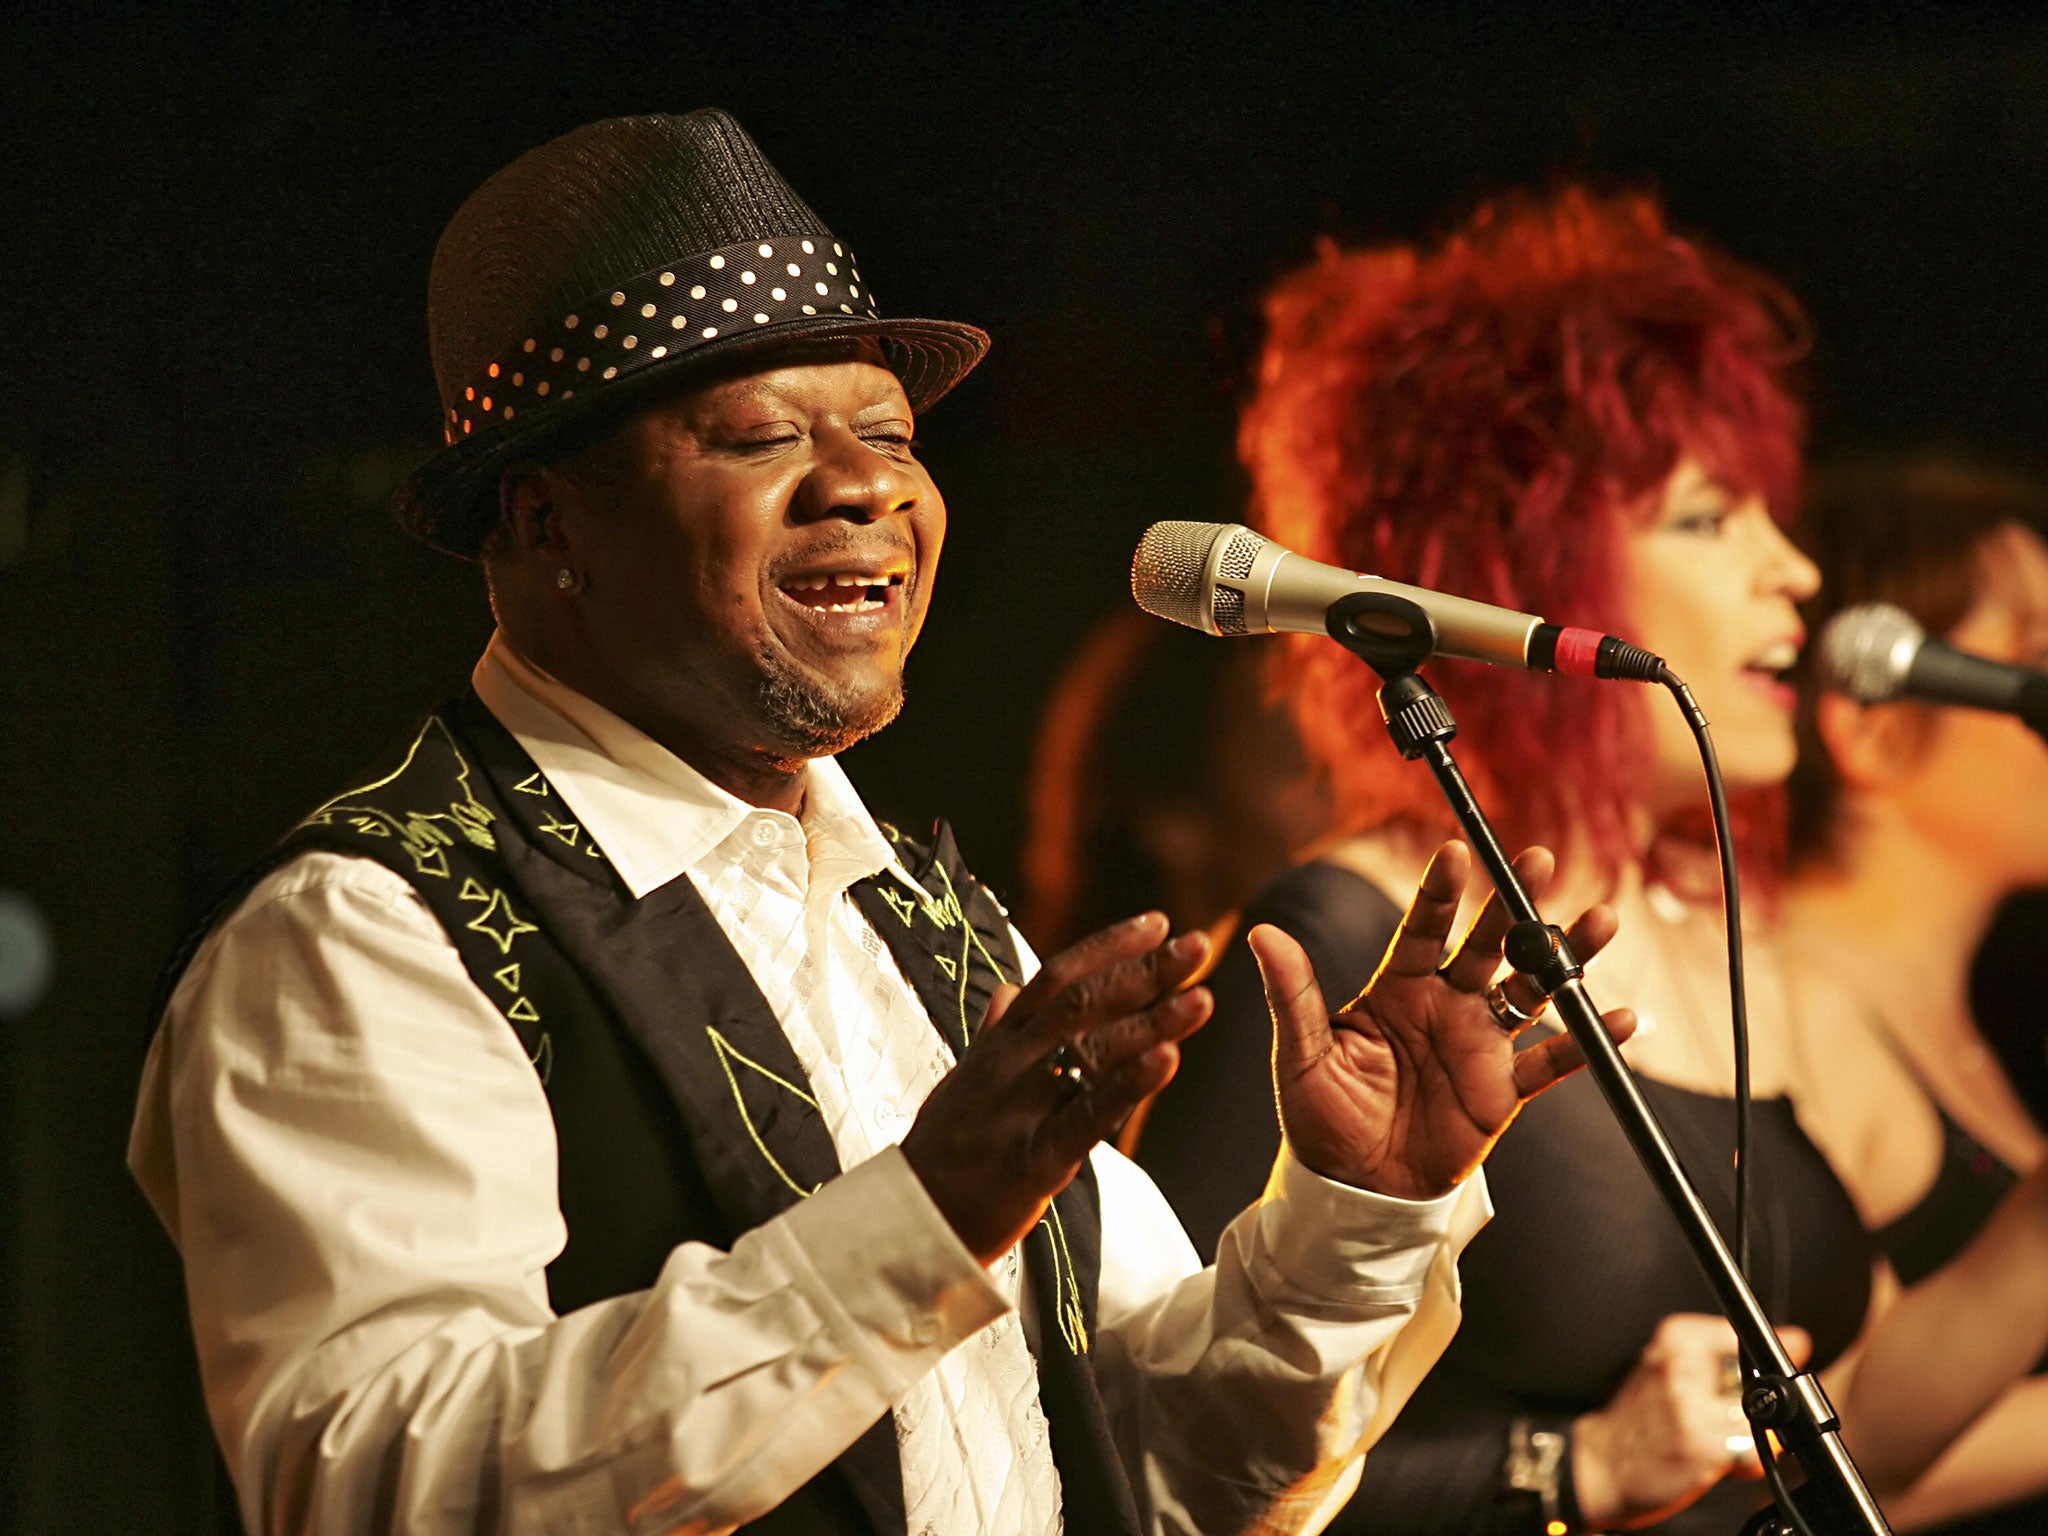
1566 408
1161 778
1909 824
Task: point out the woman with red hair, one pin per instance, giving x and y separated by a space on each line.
1568 409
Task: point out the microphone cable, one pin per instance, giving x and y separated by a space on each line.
1738 999
1731 916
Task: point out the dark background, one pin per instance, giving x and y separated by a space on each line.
214 235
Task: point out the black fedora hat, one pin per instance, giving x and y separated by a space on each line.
609 258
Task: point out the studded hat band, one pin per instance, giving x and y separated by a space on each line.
662 314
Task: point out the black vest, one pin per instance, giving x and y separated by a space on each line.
681 1113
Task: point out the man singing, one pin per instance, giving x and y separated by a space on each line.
596 1121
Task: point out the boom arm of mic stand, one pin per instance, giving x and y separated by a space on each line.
1393 640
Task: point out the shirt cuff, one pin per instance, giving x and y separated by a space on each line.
892 1281
1339 1244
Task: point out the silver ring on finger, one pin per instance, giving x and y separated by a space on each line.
1510 1018
1065 1065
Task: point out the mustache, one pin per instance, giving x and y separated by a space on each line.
856 548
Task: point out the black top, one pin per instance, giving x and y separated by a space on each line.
1564 1288
1969 1183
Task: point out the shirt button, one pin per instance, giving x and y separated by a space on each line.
924 1330
764 833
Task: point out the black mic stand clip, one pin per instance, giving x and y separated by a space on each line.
1394 636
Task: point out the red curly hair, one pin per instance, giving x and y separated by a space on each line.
1482 417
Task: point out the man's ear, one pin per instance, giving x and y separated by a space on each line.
1873 746
529 512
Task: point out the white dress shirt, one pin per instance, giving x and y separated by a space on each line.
357 1163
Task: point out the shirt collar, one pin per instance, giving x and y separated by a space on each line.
654 815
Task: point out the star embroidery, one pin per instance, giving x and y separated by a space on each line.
509 924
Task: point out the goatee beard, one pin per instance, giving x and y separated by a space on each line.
809 719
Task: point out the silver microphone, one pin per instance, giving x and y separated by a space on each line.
1875 652
1224 579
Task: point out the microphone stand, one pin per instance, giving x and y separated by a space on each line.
1394 636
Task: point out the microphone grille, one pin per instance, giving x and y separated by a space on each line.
1229 611
1169 573
1866 650
1239 554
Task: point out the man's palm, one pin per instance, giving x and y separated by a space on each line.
1404 1092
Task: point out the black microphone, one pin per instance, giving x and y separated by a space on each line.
1224 579
1875 651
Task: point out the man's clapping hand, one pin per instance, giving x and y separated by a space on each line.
1004 1132
1404 1091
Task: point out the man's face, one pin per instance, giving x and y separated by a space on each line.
757 557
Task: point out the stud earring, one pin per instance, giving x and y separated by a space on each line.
565 578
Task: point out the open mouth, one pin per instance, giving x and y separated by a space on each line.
842 591
1773 664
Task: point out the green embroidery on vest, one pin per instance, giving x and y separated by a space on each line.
901 905
943 912
428 834
474 823
1066 1286
510 923
424 833
567 831
726 1057
947 912
953 906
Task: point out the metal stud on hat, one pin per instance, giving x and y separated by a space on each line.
610 258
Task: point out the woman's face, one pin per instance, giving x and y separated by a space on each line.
1709 582
1979 785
